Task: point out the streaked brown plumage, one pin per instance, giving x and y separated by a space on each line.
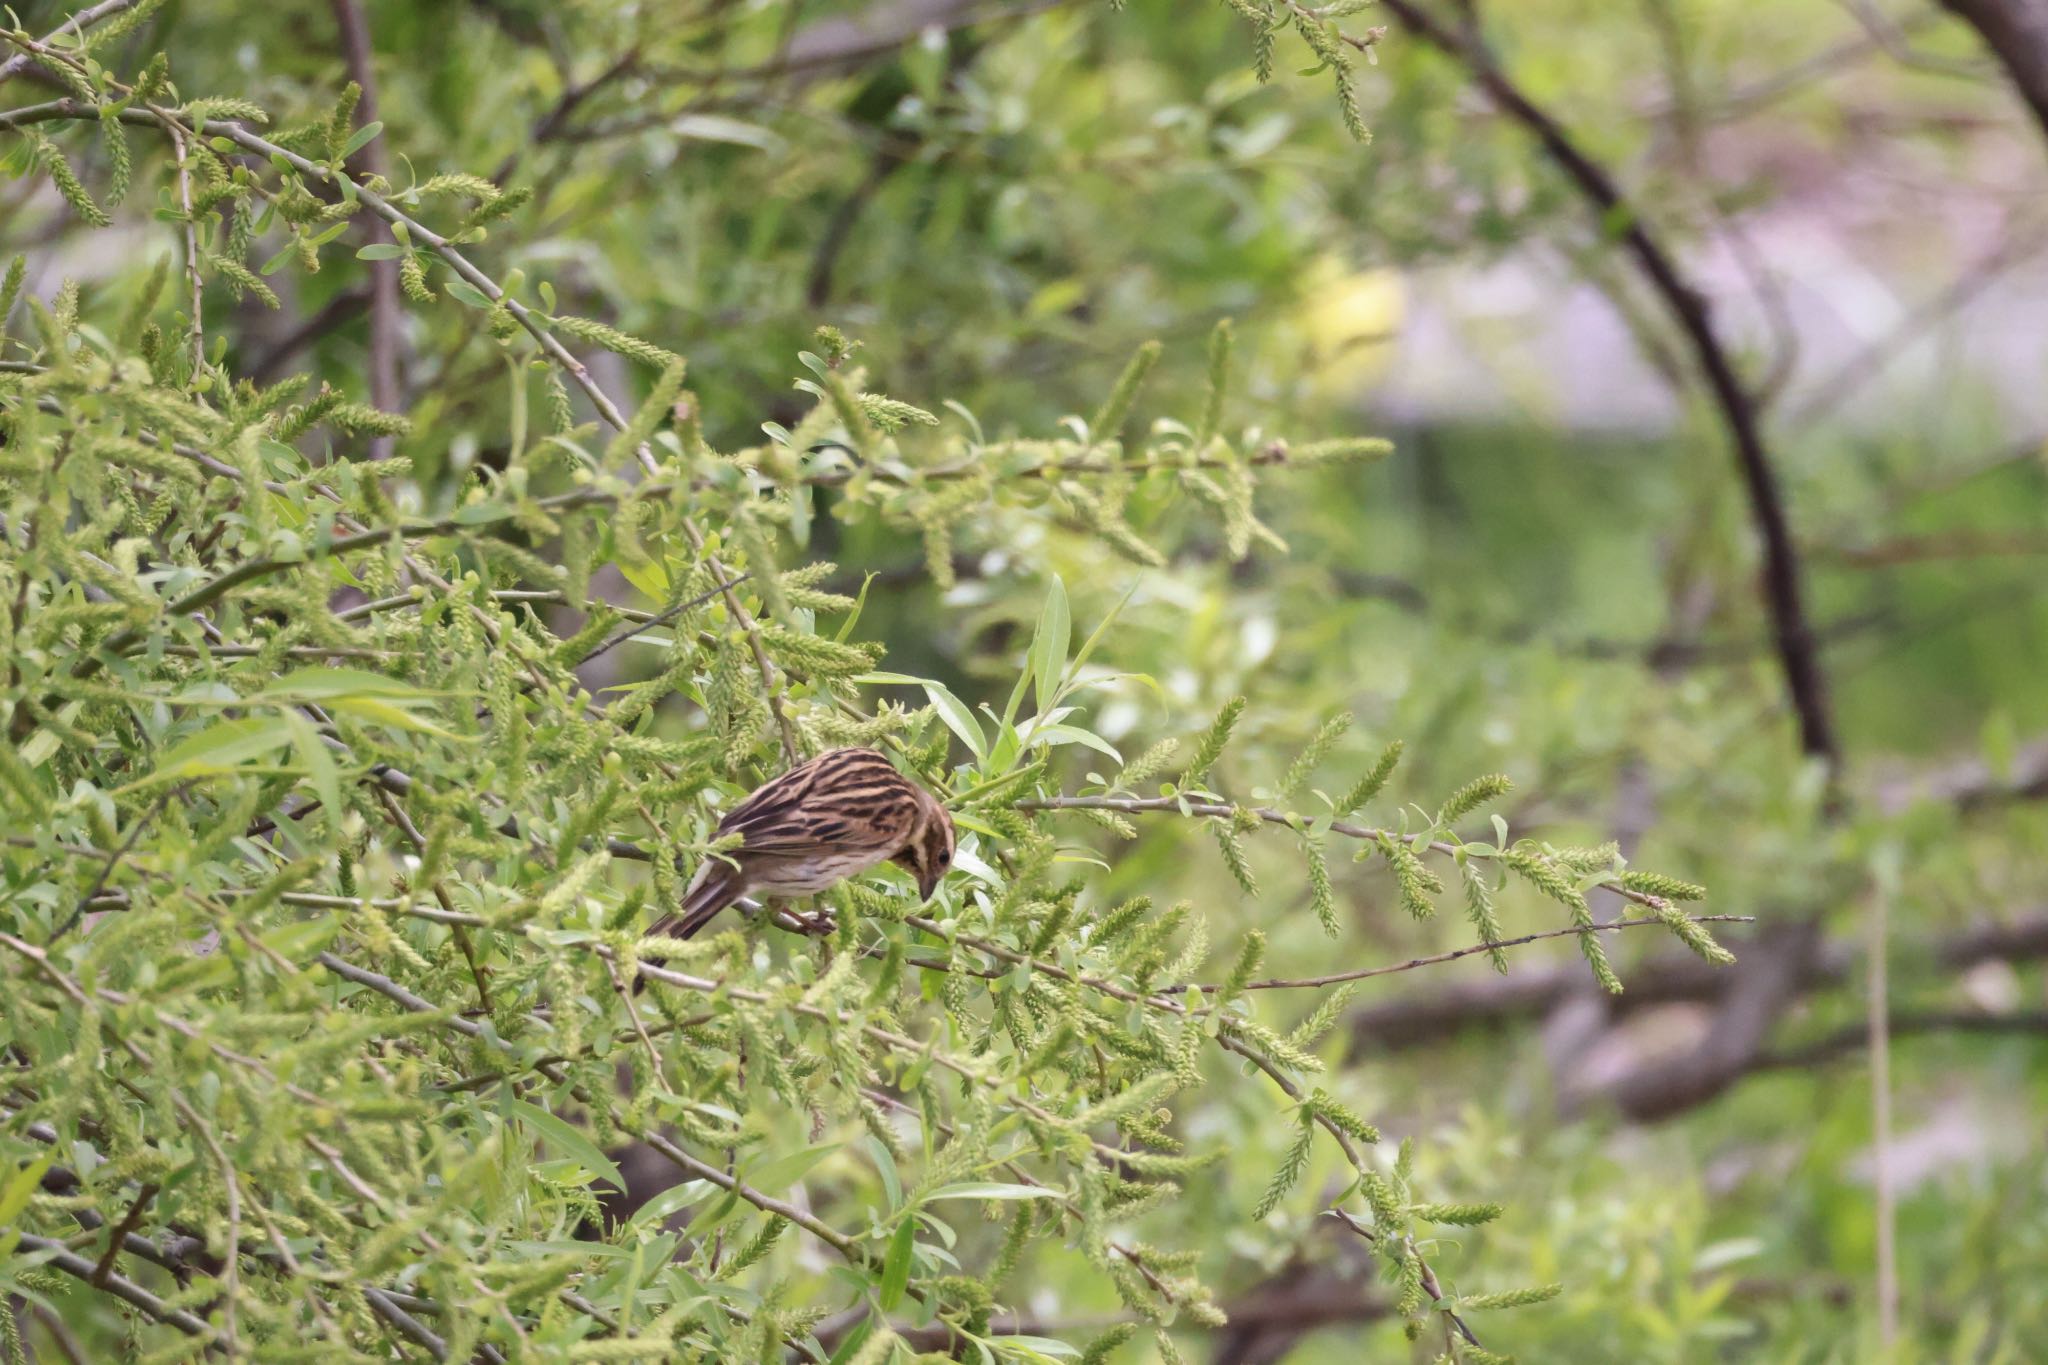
819 823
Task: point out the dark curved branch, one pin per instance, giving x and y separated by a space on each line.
1784 595
1855 1037
2016 31
1439 1014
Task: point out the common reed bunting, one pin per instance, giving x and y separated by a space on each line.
823 821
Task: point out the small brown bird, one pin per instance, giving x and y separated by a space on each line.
823 821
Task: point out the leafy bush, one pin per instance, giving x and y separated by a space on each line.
326 864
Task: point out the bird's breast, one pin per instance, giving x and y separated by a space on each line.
802 876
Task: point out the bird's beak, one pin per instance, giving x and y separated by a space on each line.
928 882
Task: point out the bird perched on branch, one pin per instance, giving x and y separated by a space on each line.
819 823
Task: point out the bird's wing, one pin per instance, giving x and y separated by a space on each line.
845 795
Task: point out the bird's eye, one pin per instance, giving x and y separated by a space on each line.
945 858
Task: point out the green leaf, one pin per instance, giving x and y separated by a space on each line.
896 1265
1095 636
319 762
1048 1348
394 715
1049 645
777 1175
380 251
885 1164
1073 734
958 718
860 603
464 292
988 1189
656 1211
362 138
571 1139
650 576
302 939
222 747
20 1186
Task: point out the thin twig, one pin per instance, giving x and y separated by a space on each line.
386 335
114 859
659 618
77 23
1174 805
136 1207
458 931
191 232
1877 1005
1362 973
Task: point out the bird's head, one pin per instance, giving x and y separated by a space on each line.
928 853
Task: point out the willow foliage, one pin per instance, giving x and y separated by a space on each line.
324 869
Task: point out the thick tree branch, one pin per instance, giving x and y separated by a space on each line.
120 1286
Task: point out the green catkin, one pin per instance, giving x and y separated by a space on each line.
1415 881
1344 450
1457 1215
10 287
1373 782
119 163
1661 886
1513 1298
1109 418
1321 37
1292 1164
1148 765
1330 1111
243 281
892 415
1210 747
1584 861
1470 797
1263 26
1317 749
1322 1019
615 341
341 122
1547 877
1231 845
1322 894
648 416
66 180
756 1248
412 279
1692 934
1485 923
1219 384
1249 956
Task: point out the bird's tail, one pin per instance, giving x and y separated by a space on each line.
716 887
